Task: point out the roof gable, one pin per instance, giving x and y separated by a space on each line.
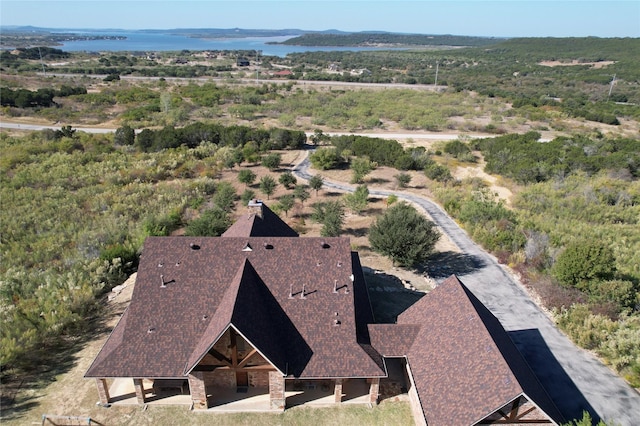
260 221
463 363
284 295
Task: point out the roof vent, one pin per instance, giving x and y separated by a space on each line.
339 264
291 291
247 247
160 265
205 317
325 245
162 283
304 291
151 330
177 263
268 246
335 288
336 321
194 246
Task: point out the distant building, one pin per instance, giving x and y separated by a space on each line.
262 311
283 73
242 62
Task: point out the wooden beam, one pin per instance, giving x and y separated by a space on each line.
514 408
245 360
217 355
234 347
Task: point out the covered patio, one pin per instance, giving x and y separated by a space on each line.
316 393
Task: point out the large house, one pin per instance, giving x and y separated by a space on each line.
261 308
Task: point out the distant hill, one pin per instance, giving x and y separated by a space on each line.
361 39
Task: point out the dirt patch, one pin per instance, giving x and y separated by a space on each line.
575 62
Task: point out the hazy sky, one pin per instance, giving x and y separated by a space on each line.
512 18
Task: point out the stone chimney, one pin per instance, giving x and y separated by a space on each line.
255 207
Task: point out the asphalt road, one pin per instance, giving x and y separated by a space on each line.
575 379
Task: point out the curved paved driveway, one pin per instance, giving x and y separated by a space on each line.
574 379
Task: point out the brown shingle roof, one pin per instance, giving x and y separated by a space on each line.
190 289
268 224
463 363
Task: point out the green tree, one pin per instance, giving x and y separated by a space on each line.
287 179
324 158
584 261
403 179
225 197
403 235
391 199
360 168
272 161
124 135
247 195
331 216
268 185
286 203
316 183
246 176
301 193
211 223
357 201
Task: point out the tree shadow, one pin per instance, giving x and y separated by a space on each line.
21 384
356 232
444 264
389 297
377 180
563 392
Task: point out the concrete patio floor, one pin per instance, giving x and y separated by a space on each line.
355 391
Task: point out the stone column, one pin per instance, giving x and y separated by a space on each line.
374 389
276 391
103 390
198 390
139 387
337 392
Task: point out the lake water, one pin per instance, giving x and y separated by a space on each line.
143 41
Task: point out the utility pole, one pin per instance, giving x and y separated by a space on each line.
611 87
41 62
437 65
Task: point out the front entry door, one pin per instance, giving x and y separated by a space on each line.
242 378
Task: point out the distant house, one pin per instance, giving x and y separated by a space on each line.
242 62
262 311
283 73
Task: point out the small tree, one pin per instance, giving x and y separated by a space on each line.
268 185
403 179
212 223
247 177
584 261
391 199
225 197
124 135
272 161
331 216
316 183
360 168
286 203
247 195
324 158
301 193
287 179
358 200
403 235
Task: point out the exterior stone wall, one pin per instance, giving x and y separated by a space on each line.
140 392
337 391
259 379
103 390
276 391
374 390
222 378
198 390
